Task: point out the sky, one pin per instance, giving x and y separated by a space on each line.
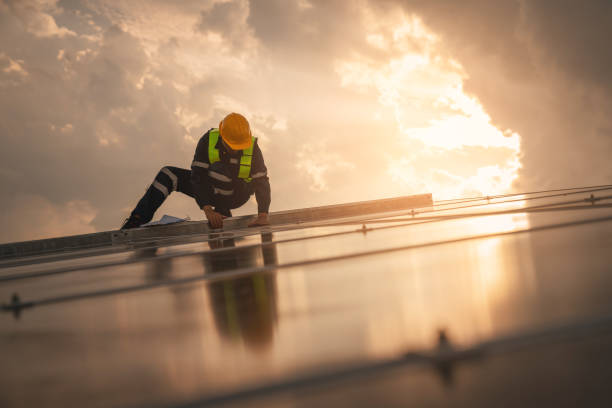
350 100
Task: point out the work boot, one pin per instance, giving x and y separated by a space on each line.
133 221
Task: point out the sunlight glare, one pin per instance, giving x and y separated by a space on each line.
434 116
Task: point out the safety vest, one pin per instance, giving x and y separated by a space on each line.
245 158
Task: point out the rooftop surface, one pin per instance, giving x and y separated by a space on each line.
497 301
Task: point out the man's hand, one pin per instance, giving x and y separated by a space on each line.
214 218
262 219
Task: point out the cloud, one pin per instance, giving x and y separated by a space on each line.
27 217
443 131
316 163
12 72
37 17
75 128
540 68
9 65
228 20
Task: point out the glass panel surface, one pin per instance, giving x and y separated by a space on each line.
271 306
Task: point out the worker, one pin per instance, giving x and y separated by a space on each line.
227 168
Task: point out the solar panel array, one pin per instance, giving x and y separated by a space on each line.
501 299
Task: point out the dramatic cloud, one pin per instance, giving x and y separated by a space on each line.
542 69
350 100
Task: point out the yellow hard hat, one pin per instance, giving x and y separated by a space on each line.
235 131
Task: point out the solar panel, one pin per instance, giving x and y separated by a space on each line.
451 303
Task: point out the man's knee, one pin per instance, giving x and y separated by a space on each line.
171 175
166 181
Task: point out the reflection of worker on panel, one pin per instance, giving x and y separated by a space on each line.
244 307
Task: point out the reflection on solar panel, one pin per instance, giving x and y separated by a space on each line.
501 300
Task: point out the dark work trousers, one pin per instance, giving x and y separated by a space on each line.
171 179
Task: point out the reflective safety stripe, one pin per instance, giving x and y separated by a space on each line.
219 176
161 188
260 174
213 152
223 192
174 179
245 159
200 164
245 163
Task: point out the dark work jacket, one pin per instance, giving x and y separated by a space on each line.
204 195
